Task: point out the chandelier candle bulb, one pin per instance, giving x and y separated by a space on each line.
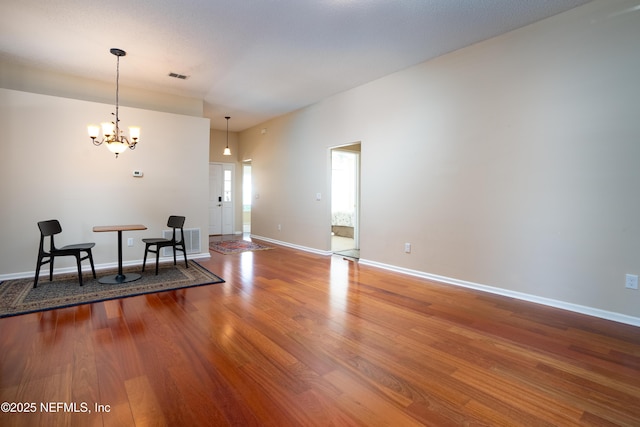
134 132
94 131
107 129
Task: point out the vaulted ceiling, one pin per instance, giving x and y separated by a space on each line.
252 59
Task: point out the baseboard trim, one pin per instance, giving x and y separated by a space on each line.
86 267
291 245
590 311
576 308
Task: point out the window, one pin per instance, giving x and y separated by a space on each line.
227 186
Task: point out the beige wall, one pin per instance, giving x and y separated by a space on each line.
218 141
50 169
512 164
290 164
17 76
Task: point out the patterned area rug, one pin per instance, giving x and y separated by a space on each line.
228 247
19 297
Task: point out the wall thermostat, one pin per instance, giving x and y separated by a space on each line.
138 174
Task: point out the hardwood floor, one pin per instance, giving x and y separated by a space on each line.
297 339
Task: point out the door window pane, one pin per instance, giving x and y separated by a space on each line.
227 186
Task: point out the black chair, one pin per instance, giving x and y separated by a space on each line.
176 223
49 229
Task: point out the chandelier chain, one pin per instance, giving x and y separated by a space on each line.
117 94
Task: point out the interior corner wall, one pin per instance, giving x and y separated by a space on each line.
50 169
512 163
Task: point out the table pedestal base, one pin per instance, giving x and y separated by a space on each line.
114 279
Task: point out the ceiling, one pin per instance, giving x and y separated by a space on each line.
252 59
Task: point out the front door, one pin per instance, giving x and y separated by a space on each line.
221 210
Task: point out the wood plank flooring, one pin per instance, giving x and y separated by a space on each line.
297 339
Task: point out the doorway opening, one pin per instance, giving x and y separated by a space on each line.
246 197
345 200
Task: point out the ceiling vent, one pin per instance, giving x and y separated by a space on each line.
178 76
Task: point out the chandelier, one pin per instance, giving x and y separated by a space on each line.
112 134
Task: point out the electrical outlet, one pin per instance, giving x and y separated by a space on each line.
279 227
407 248
631 281
130 241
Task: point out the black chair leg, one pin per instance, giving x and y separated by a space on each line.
51 268
144 261
79 268
91 262
184 252
157 258
35 279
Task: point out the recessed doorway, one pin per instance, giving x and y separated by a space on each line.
345 200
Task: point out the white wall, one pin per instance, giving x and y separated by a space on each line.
50 169
513 163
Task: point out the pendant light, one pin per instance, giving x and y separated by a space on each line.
227 151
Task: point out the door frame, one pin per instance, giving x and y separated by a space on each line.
230 212
357 215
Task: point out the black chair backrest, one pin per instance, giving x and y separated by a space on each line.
175 221
50 227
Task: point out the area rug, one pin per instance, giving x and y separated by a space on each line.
228 247
19 297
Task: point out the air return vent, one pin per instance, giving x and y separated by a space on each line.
178 76
191 241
